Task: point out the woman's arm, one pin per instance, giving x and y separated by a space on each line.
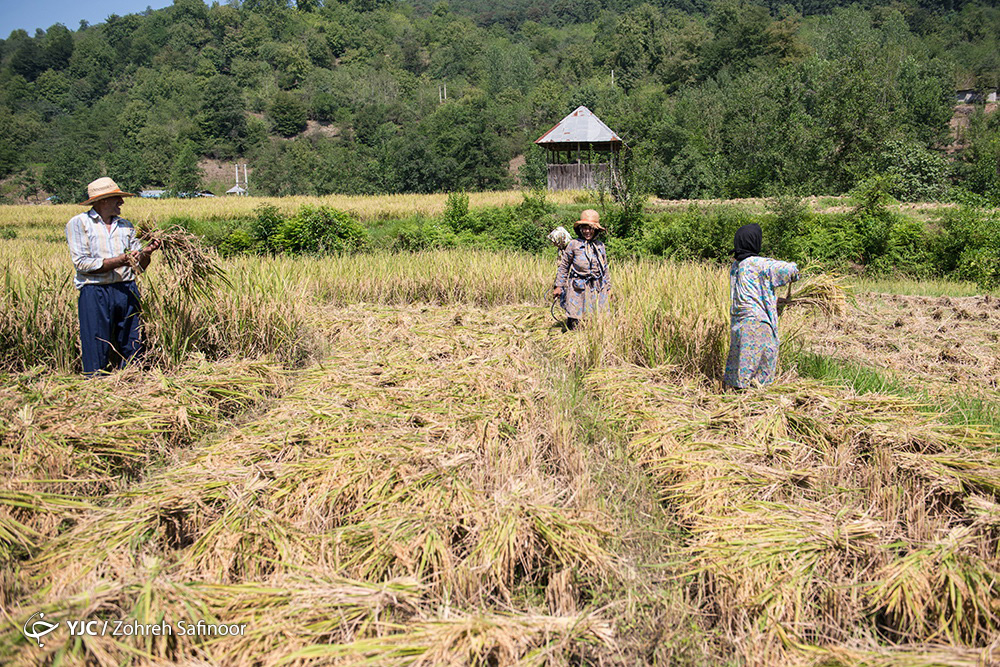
783 273
562 272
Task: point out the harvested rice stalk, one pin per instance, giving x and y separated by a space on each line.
822 291
814 516
985 511
930 655
944 592
482 639
280 617
195 268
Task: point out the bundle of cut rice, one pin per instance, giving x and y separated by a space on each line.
822 291
195 267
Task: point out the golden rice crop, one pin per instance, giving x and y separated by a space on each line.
429 489
67 441
222 208
189 309
816 518
419 451
661 312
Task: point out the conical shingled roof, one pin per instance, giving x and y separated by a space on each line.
581 126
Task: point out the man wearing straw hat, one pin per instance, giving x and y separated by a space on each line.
583 281
106 253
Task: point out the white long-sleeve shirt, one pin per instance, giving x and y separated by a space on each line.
91 242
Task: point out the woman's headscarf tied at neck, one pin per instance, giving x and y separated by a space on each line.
747 242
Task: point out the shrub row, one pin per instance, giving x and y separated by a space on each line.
963 243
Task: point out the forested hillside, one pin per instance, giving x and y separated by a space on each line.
726 98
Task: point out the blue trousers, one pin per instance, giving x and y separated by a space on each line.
109 326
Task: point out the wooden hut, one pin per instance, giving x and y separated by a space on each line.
581 151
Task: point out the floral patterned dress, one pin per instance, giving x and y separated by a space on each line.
583 275
753 335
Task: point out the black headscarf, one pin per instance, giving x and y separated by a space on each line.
747 241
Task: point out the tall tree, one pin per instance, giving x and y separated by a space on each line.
186 174
288 114
222 117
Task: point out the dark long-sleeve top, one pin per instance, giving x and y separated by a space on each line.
584 259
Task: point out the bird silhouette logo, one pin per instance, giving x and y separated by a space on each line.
39 628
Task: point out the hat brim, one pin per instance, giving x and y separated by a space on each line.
106 195
588 223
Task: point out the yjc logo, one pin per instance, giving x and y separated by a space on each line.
39 628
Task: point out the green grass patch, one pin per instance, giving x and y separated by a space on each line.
959 408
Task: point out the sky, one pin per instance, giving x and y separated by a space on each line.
31 14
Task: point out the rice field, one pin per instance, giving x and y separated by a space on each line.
28 218
402 459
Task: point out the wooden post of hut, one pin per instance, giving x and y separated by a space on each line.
565 145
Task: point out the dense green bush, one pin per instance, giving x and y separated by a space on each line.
320 230
907 250
264 228
783 229
420 233
695 234
238 241
522 234
535 206
831 240
964 244
456 211
969 246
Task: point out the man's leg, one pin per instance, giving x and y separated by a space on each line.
128 341
95 327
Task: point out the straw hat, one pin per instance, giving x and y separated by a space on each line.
103 188
588 218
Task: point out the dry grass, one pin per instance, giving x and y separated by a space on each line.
422 450
815 518
942 342
424 492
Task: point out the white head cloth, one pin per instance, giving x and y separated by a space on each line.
560 237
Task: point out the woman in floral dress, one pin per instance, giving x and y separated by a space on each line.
753 336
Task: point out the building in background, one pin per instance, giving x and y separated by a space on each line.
581 152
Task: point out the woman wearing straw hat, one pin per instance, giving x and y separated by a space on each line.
105 252
583 281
